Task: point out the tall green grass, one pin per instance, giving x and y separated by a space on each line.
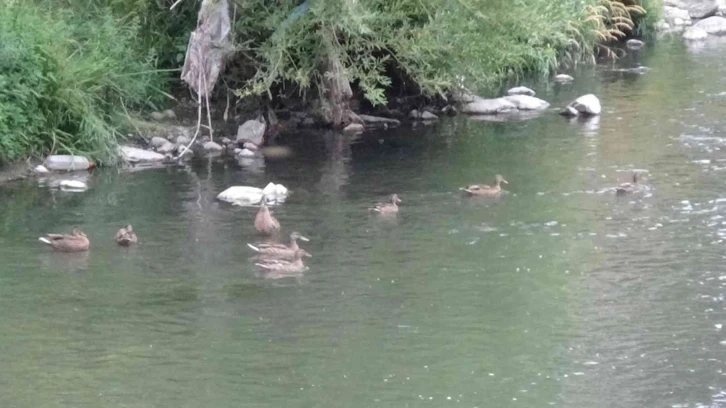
66 78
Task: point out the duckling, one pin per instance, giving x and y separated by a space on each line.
485 190
77 241
126 236
276 265
278 251
628 188
388 208
265 223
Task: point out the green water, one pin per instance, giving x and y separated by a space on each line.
555 294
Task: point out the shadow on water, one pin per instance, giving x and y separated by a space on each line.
555 293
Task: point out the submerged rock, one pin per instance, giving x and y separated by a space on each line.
526 102
695 34
713 25
569 112
520 90
136 155
563 78
353 128
72 185
252 131
377 121
634 44
587 104
422 115
481 106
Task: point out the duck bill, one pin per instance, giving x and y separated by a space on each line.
303 238
505 181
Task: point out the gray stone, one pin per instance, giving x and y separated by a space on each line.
563 78
377 121
634 44
40 169
483 106
157 115
695 34
167 147
136 155
225 141
422 115
354 128
676 16
569 111
245 153
169 114
695 8
183 140
587 104
253 131
520 90
713 25
212 147
250 146
157 142
526 102
662 25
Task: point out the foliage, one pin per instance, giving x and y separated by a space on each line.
65 78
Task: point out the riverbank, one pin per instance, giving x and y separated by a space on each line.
76 75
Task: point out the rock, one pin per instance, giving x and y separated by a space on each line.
587 104
212 147
662 25
422 115
634 44
274 190
712 25
169 114
40 169
377 121
520 90
308 122
157 142
250 146
569 112
637 70
245 195
226 141
136 155
563 78
449 110
73 185
183 141
526 102
695 34
354 128
244 152
483 106
695 8
253 130
676 16
167 147
157 116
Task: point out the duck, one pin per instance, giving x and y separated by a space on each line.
485 190
77 241
126 236
265 223
388 208
628 188
277 265
279 251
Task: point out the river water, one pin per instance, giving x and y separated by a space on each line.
557 293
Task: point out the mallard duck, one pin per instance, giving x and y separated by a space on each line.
627 188
278 251
388 208
126 236
277 265
77 241
485 190
265 223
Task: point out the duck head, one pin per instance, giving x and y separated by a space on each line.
296 235
395 199
499 179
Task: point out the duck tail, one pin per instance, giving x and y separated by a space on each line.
44 240
254 248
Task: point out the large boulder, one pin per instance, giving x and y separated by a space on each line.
696 8
713 25
252 131
695 34
520 90
136 155
526 102
481 106
677 16
587 105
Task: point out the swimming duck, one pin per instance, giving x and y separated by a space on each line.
485 190
279 251
627 188
126 236
77 241
388 208
276 265
265 223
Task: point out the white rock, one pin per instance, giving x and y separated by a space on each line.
563 78
136 155
422 115
587 104
679 21
241 195
634 44
695 8
695 34
526 102
40 169
245 152
712 25
73 185
274 190
672 14
252 131
354 128
483 106
212 147
157 142
520 90
167 147
183 140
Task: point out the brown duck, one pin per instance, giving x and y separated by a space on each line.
628 188
126 236
278 251
485 190
77 241
265 223
277 265
388 208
